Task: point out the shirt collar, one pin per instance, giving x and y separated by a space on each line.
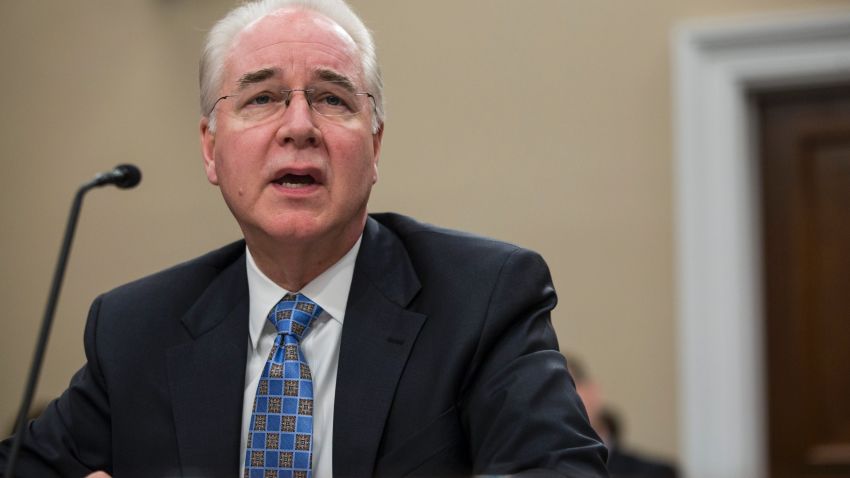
329 290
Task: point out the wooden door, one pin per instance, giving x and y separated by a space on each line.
805 173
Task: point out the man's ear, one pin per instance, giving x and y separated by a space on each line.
208 150
377 139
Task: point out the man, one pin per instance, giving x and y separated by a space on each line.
328 342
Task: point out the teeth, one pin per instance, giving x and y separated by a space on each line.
295 181
293 185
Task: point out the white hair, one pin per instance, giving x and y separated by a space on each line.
221 37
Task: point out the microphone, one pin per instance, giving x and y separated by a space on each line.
124 176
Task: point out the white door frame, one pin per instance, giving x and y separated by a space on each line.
721 362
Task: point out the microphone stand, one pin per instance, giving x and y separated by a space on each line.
47 320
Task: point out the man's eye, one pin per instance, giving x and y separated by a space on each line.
261 100
333 100
335 103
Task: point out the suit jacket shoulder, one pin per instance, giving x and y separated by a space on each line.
185 280
448 259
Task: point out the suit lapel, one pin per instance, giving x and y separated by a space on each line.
207 374
376 340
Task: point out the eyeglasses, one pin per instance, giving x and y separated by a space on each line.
327 98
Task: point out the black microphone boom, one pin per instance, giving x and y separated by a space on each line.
124 176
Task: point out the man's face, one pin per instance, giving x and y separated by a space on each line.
298 177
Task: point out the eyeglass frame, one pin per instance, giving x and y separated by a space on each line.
290 91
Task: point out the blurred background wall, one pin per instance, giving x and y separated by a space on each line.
544 123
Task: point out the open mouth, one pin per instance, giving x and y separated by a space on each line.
295 181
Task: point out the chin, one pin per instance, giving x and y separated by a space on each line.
295 229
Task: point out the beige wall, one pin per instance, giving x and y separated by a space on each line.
546 123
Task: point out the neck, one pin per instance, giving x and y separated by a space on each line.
293 264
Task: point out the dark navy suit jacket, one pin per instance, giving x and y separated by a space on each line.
448 366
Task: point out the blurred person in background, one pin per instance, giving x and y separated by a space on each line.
622 461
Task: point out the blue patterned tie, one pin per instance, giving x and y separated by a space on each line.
280 442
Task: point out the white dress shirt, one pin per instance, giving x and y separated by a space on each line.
320 346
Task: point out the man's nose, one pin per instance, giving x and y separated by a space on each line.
298 125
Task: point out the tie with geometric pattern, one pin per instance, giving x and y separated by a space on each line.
280 441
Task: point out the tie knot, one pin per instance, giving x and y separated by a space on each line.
293 315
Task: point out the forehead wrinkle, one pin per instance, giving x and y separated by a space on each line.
346 58
347 55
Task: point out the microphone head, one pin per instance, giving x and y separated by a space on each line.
126 176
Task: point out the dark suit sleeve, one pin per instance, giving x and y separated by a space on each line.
521 408
72 437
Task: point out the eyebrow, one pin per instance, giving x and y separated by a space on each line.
322 74
329 75
254 77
